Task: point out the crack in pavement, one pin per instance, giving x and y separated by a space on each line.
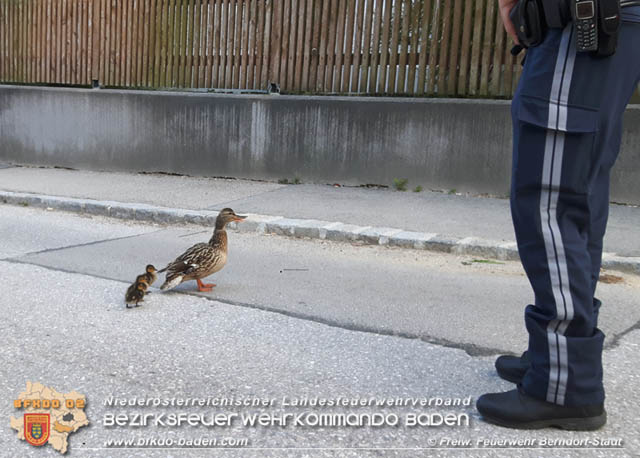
472 350
79 245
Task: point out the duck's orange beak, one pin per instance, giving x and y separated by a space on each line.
239 218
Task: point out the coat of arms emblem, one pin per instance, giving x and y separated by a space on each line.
36 428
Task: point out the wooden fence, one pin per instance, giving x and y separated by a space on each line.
423 47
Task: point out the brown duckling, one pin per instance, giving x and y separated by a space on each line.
202 259
135 294
151 274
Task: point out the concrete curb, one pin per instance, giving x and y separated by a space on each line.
299 228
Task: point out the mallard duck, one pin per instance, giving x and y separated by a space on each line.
135 294
202 259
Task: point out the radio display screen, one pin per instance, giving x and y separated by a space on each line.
584 10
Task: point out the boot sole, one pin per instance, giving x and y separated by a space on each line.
569 424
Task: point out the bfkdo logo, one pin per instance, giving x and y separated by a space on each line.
36 428
48 416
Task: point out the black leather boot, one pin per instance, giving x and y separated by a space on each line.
515 409
512 368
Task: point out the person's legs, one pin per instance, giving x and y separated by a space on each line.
567 125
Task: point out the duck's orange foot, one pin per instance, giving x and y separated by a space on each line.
205 287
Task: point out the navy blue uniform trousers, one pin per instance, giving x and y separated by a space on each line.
567 117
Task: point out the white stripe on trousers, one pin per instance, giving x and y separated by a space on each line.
556 259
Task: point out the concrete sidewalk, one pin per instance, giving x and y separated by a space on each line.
439 221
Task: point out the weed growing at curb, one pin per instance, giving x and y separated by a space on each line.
400 184
417 189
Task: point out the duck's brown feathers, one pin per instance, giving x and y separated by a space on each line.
199 261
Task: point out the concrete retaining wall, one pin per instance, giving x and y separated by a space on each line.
436 143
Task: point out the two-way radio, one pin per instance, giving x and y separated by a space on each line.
585 17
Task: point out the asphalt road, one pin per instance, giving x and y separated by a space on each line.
288 318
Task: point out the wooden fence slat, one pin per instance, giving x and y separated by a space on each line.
10 65
222 43
393 58
363 74
498 59
111 43
135 14
266 48
465 49
354 84
276 38
291 60
184 10
487 47
9 41
101 41
424 45
22 41
381 86
434 46
153 59
176 37
237 45
118 42
374 70
25 41
315 44
140 34
331 45
252 45
78 38
443 62
284 44
20 35
33 11
3 41
78 56
244 48
322 46
348 52
95 39
231 35
34 41
128 54
404 45
107 42
49 46
456 30
341 20
476 47
217 30
298 49
413 48
86 69
205 42
15 34
207 46
200 51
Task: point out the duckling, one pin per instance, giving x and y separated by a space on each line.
144 279
151 274
135 294
202 259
